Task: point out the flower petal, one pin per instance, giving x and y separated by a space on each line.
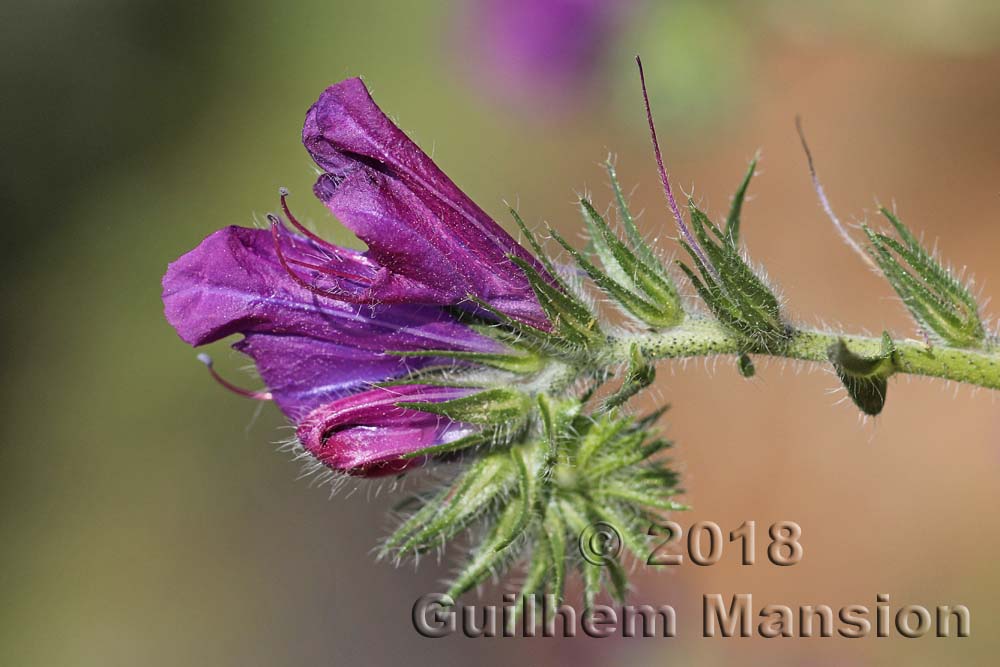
308 348
414 219
367 434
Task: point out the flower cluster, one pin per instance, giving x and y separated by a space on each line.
448 341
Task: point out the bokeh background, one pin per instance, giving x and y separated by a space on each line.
147 518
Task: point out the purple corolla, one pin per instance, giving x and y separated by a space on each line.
322 322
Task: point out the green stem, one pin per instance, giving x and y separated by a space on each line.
699 337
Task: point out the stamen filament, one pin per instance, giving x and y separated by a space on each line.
255 395
339 296
283 194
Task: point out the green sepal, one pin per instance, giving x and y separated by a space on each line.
527 477
578 522
631 302
556 417
510 329
491 406
656 498
493 550
539 568
473 440
632 233
865 378
473 493
539 250
555 540
736 207
421 517
515 363
634 537
640 374
598 246
737 296
618 580
647 282
571 318
937 300
437 375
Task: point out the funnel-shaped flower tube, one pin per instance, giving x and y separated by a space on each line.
369 434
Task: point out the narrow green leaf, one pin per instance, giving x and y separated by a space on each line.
555 540
492 553
539 251
733 219
526 498
634 538
515 363
570 318
491 406
601 431
938 301
622 490
469 496
631 302
419 518
652 280
632 233
473 440
534 585
578 523
641 373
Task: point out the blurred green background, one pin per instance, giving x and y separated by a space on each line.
146 518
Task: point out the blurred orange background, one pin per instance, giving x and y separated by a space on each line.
148 519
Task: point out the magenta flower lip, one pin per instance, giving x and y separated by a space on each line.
369 433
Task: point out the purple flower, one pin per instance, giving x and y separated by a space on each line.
309 349
321 321
428 242
367 434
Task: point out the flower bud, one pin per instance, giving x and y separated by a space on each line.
370 434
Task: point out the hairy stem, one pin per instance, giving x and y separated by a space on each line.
700 337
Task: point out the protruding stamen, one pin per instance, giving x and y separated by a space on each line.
275 225
825 203
283 193
330 270
256 395
671 202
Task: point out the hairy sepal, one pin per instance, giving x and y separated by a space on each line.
940 303
739 298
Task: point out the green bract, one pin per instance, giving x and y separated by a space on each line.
534 498
940 303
